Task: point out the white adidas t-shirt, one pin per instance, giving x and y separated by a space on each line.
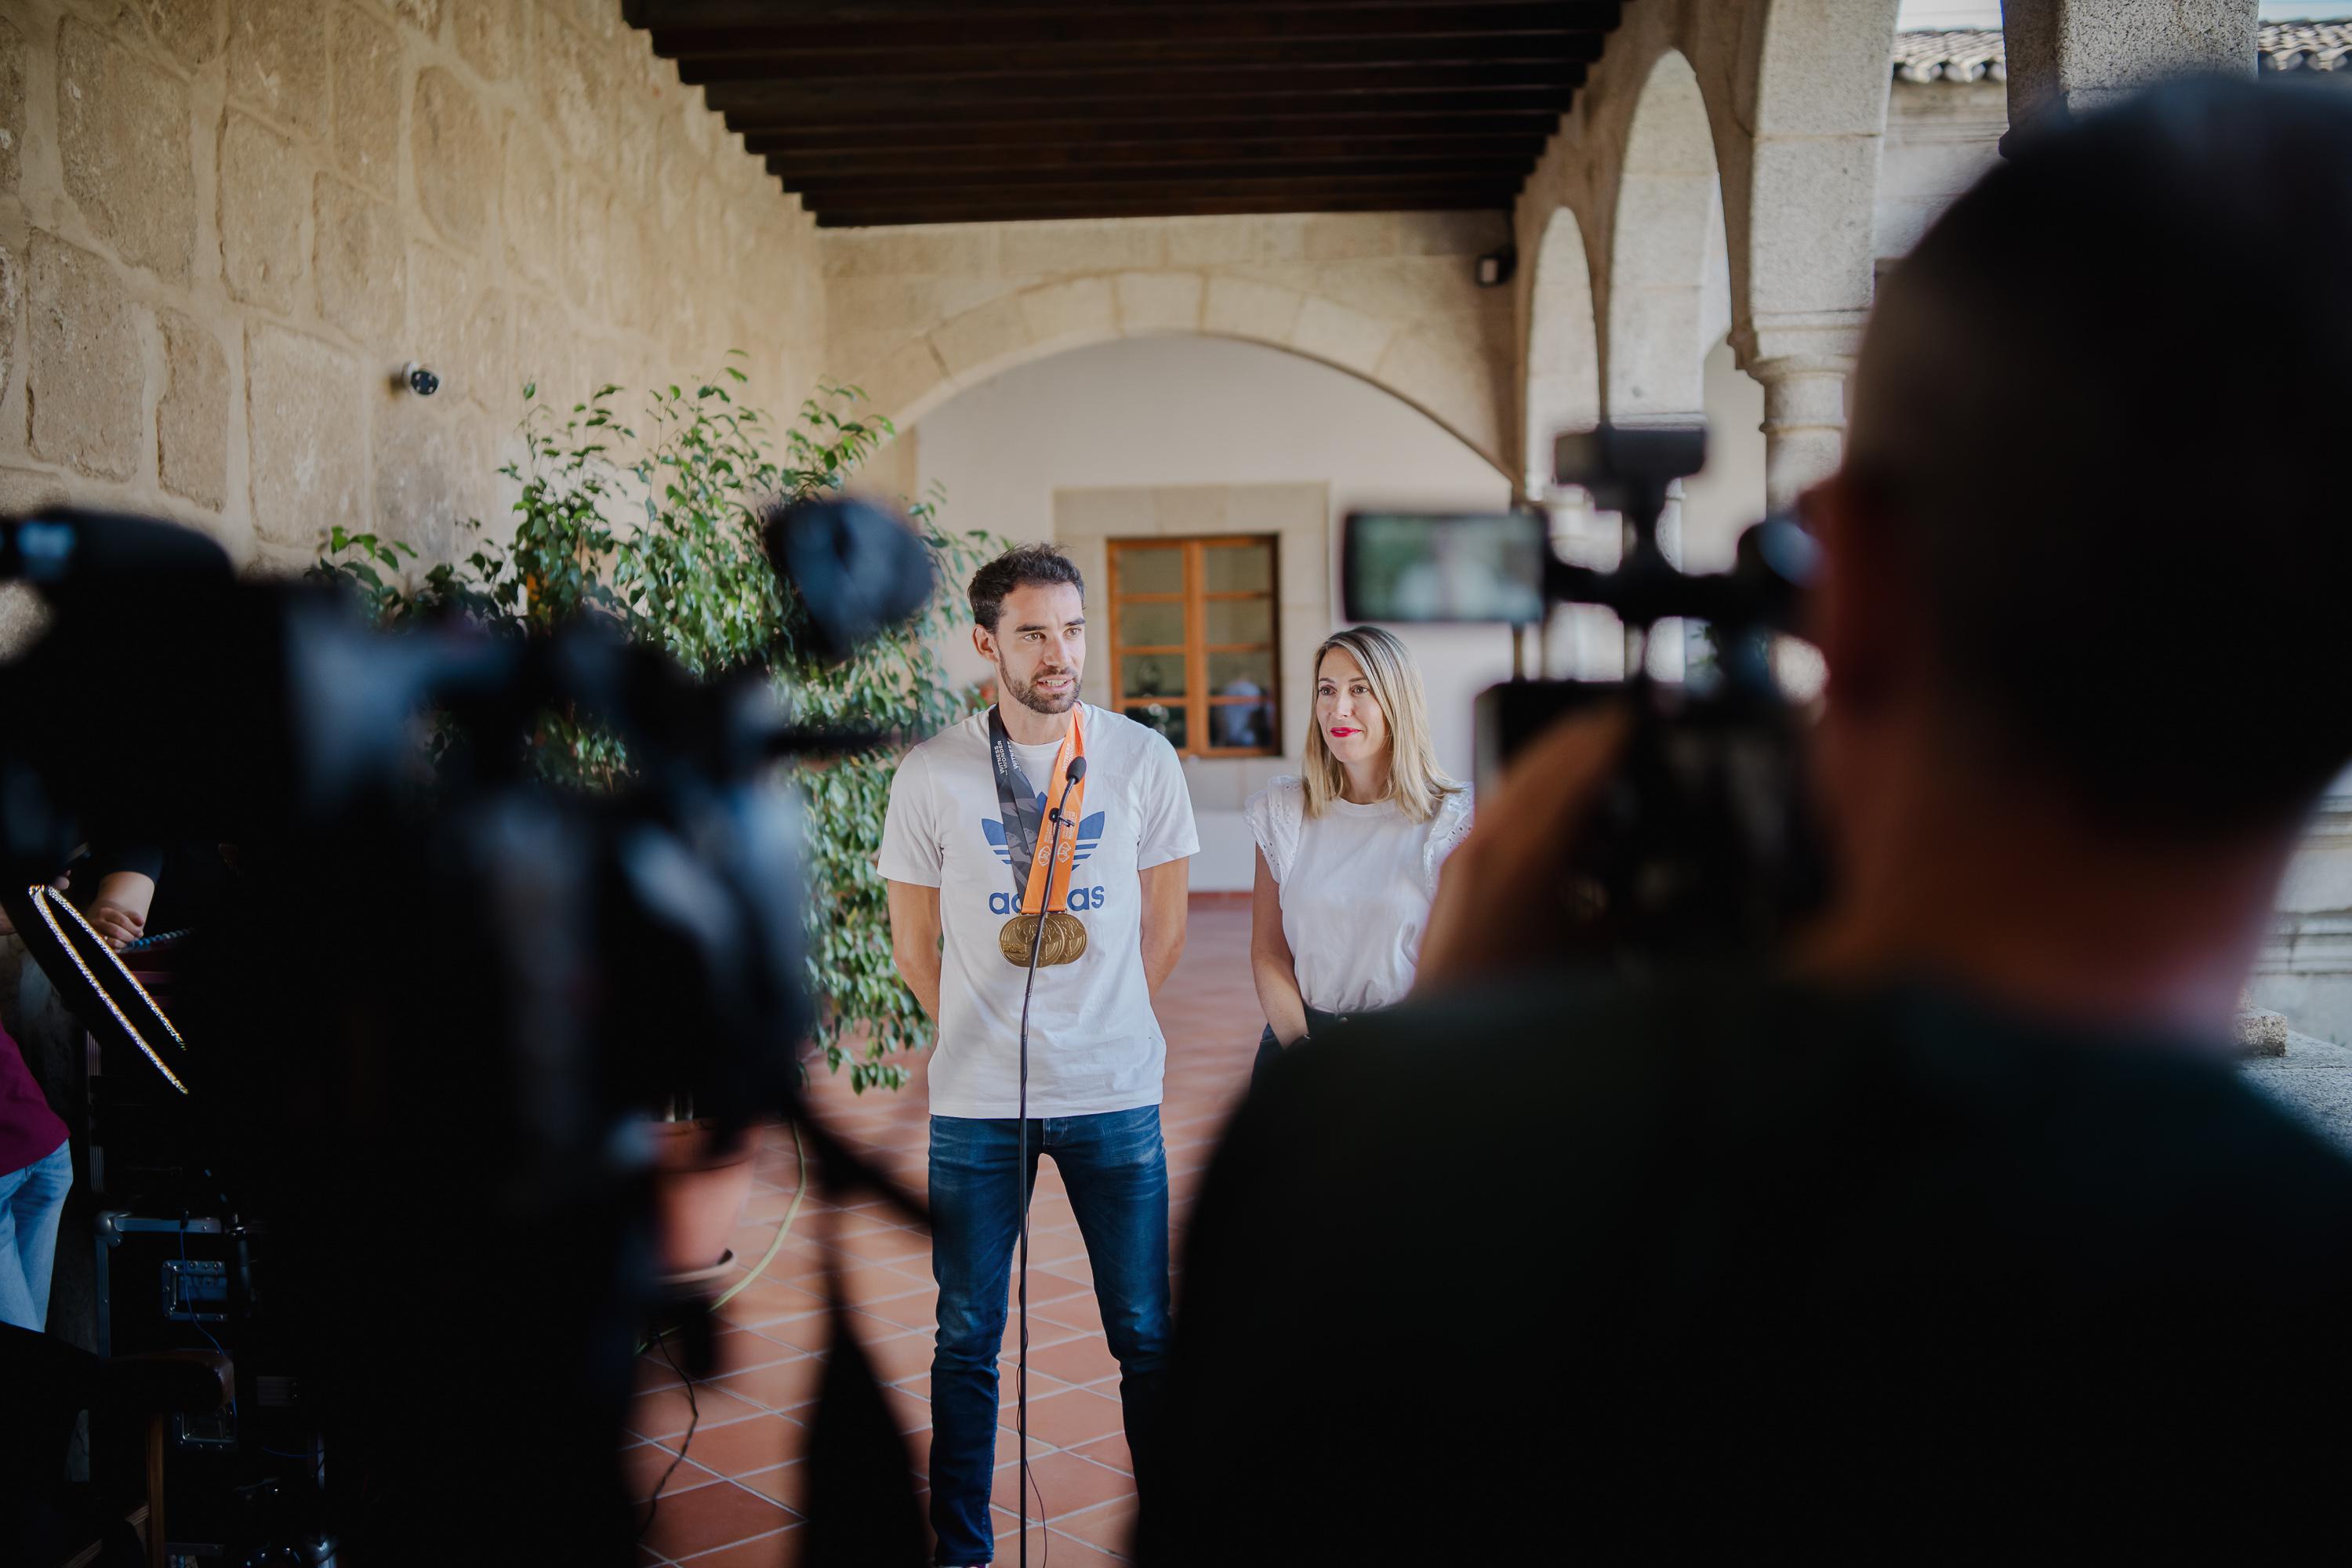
1356 887
1094 1044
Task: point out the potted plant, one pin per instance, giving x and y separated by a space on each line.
661 532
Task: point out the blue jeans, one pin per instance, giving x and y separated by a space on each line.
32 1201
1115 1169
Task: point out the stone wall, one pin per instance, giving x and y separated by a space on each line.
225 225
918 313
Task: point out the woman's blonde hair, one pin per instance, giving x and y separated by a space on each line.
1416 782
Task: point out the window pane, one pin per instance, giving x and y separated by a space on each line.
1239 620
1150 569
1242 724
1168 720
1150 626
1152 675
1241 674
1238 569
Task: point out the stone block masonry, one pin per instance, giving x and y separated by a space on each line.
225 225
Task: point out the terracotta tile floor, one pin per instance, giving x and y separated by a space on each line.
733 1502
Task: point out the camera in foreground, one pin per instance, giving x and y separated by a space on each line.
1703 843
385 1145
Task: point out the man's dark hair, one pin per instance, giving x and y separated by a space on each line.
2100 406
1022 567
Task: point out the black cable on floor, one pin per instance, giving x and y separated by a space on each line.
693 1417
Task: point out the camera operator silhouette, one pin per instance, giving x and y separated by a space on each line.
1954 1217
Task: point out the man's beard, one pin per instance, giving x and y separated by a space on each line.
1029 697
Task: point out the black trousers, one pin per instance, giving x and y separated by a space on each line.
1269 1049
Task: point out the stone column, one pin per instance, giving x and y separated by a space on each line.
1804 423
2068 56
1802 368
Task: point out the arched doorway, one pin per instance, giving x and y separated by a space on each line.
1139 440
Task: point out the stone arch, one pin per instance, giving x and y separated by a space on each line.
1801 184
1563 387
1458 386
1665 229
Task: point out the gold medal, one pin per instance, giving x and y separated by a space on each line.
1044 882
1065 941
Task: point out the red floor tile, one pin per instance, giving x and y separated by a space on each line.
890 1245
665 1413
915 1312
1062 1485
895 1360
775 1551
1065 1550
1081 1312
796 1335
1068 1419
765 1301
1109 1451
785 1484
786 1385
708 1517
740 1448
1087 1359
1109 1528
643 1467
740 1350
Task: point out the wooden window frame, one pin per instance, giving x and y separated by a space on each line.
1198 702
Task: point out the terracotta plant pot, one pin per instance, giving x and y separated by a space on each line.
700 1191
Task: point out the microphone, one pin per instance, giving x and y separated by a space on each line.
1020 1169
1077 772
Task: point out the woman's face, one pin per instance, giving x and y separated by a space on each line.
1348 713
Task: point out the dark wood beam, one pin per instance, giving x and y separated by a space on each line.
1308 90
1175 206
820 187
1141 136
653 14
983 66
893 112
953 118
783 32
1079 155
1433 188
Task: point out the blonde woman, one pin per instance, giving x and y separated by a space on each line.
1348 855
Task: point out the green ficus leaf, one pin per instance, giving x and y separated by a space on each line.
663 536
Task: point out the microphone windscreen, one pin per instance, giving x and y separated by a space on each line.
859 568
1077 769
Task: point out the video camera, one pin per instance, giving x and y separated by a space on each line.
410 1073
1703 843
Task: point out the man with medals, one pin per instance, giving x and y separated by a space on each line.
991 848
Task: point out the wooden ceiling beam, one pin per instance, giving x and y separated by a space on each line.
1080 156
880 112
950 121
1142 136
847 198
979 66
820 187
1111 26
1307 90
1173 206
840 15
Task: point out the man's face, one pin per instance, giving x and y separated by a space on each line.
1039 646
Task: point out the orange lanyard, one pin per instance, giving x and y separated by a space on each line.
1061 846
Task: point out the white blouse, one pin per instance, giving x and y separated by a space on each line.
1355 885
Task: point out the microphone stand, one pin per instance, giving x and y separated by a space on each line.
1021 1172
